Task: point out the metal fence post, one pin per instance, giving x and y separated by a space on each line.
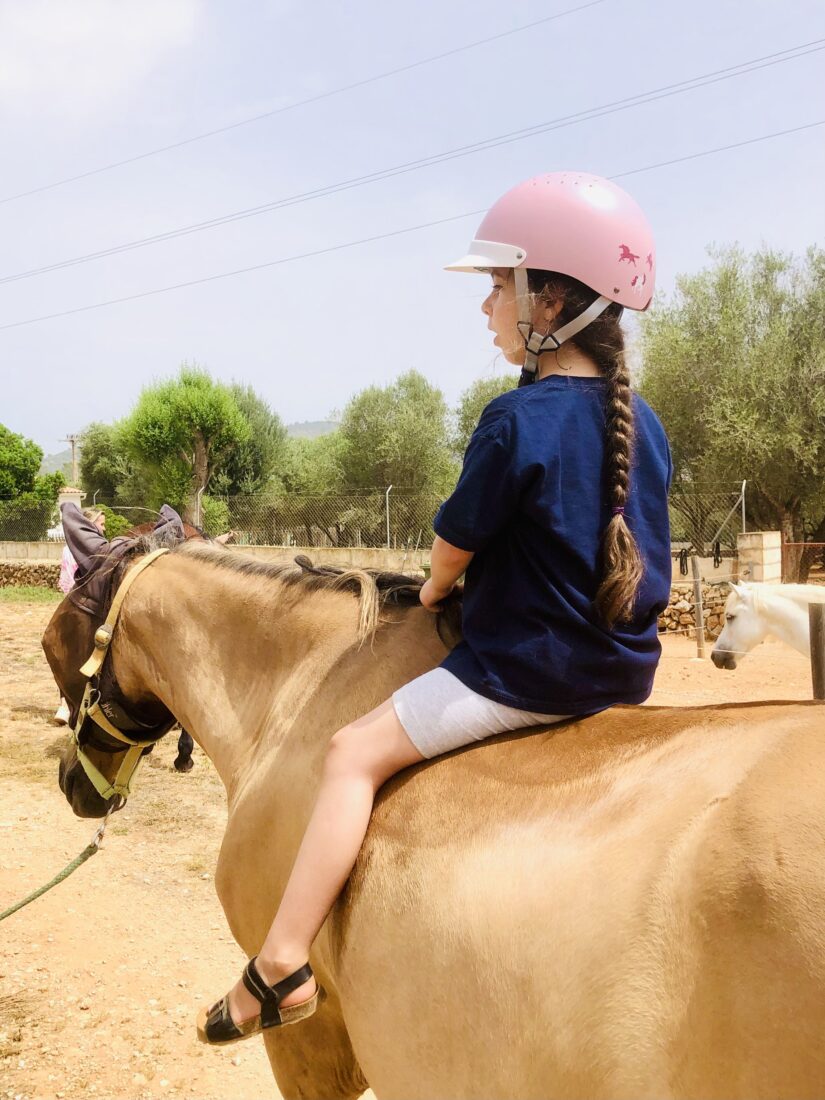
744 517
816 619
387 498
697 606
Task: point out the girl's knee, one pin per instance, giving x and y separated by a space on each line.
346 754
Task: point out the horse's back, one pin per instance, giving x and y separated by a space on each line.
627 905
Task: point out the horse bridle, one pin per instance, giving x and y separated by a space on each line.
109 716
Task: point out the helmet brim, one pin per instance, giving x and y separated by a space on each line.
485 255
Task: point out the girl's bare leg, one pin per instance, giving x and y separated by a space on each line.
360 758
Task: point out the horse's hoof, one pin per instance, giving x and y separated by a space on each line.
184 764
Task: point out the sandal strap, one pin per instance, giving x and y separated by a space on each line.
273 994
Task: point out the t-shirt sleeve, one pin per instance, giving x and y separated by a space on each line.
487 493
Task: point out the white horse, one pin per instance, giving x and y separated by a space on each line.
753 611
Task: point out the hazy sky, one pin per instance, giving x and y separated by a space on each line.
84 83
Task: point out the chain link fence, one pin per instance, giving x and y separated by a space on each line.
25 520
706 521
375 518
703 520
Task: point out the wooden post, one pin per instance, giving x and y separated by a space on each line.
816 618
698 610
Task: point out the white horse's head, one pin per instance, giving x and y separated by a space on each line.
744 627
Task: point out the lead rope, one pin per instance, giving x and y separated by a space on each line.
87 853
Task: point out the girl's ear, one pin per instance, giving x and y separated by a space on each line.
551 310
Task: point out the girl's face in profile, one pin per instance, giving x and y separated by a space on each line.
501 310
502 314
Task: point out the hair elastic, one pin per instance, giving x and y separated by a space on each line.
618 511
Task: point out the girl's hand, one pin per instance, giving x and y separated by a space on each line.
431 597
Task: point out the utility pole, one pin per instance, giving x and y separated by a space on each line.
73 439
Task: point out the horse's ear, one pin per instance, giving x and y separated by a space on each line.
82 537
742 591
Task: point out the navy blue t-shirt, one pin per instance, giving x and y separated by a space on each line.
532 504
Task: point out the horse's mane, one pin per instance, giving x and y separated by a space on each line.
802 594
374 588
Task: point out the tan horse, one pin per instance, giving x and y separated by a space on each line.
631 905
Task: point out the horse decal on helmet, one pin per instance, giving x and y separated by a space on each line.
626 254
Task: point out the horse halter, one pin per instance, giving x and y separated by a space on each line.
109 716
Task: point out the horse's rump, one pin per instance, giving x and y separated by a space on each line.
617 885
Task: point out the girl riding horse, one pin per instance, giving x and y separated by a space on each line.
559 521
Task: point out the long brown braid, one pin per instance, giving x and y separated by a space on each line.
603 341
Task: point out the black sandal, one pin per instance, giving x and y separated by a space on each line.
216 1026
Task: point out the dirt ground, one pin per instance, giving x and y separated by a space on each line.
101 978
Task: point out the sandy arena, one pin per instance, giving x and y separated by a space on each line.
101 978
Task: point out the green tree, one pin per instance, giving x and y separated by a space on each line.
312 466
734 363
473 402
104 462
397 435
252 463
115 523
27 502
19 462
182 430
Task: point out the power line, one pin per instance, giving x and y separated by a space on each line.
299 103
382 236
728 73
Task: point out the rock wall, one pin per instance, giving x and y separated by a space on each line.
38 574
680 613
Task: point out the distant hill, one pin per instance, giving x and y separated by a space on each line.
52 463
311 429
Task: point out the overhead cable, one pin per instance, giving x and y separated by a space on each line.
299 103
383 236
692 83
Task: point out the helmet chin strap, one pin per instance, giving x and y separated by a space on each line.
535 343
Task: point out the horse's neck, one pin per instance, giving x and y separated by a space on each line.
785 619
251 678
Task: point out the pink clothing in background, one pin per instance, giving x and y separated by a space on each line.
68 568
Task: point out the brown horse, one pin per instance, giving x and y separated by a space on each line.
630 905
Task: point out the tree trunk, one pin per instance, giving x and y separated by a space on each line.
796 561
200 478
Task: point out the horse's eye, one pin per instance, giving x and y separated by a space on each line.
730 618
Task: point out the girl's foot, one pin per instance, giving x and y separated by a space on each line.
243 1006
265 997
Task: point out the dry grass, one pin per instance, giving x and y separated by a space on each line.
15 1010
25 758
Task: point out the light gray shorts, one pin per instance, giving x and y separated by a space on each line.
439 714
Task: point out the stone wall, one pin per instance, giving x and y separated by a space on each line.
38 574
680 613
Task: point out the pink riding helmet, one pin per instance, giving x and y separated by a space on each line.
574 223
